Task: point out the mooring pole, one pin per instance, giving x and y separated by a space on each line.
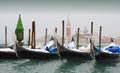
34 35
33 42
78 38
55 29
91 39
55 32
29 38
100 32
5 36
62 32
46 36
92 28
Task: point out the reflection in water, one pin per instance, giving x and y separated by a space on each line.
68 66
85 67
57 66
36 66
28 66
104 67
7 65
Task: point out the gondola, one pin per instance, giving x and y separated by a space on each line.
37 53
7 52
2 46
109 53
74 53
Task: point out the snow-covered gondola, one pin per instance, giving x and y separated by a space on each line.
109 53
8 52
71 52
47 52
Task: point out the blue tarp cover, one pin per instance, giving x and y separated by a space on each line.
113 49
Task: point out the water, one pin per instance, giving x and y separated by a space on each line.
57 66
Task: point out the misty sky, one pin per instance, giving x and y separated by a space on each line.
50 13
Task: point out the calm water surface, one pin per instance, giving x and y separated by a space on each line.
56 66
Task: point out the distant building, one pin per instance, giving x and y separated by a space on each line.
85 30
68 30
106 39
85 36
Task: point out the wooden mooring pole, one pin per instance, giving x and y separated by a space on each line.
29 37
55 29
62 32
5 36
92 28
45 36
33 42
100 34
55 33
78 38
91 39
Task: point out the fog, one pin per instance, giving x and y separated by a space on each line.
49 14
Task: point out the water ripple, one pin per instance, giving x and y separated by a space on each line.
57 66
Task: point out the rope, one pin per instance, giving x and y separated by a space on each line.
58 49
16 51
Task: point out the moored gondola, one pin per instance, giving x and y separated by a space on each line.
41 53
74 53
106 55
8 52
109 53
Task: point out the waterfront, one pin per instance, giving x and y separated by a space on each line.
56 66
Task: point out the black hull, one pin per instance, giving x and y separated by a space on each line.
28 54
105 57
69 54
8 55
